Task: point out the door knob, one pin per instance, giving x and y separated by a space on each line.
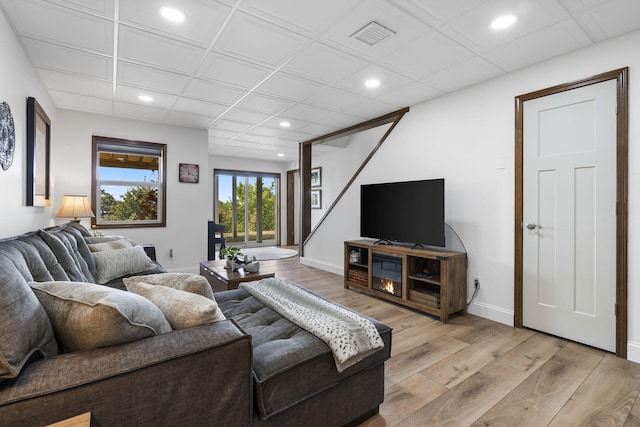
532 226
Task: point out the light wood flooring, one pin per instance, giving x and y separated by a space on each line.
473 371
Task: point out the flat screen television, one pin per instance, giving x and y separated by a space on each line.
406 212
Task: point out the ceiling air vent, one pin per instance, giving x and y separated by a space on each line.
372 33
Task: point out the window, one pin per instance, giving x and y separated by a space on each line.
129 187
247 205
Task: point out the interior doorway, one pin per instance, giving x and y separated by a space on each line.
558 221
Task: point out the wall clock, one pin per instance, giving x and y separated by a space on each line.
189 173
7 136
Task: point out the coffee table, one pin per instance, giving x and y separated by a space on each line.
222 279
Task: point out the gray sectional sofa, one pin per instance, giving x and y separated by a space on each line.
254 368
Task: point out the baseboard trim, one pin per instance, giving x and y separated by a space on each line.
633 351
491 312
339 270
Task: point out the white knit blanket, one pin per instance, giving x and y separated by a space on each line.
350 336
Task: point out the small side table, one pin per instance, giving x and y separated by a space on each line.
223 279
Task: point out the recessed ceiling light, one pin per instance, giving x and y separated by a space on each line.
372 83
172 14
503 22
145 98
285 124
280 154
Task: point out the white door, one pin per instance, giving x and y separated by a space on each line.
569 252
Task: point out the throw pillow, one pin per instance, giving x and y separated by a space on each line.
87 316
182 309
108 246
26 331
118 262
101 239
193 283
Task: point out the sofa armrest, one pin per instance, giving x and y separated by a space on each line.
189 377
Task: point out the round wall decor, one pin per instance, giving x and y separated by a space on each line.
7 136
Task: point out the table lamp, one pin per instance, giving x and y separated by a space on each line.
75 207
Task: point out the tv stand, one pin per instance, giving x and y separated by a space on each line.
431 281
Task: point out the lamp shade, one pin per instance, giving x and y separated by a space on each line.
75 207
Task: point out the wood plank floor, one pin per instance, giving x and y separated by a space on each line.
473 371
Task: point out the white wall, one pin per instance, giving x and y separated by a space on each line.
186 230
18 80
465 137
235 163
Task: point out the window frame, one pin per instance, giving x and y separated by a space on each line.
95 182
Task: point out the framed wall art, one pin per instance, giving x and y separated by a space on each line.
189 173
38 149
316 199
316 177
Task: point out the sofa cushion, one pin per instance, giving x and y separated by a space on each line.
290 364
182 309
118 262
33 258
66 254
26 332
193 283
86 316
110 245
74 234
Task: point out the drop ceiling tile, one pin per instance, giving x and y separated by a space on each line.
246 116
474 28
339 120
370 109
410 94
430 53
194 106
461 75
129 95
611 19
160 52
305 17
435 13
553 41
294 124
231 126
324 64
150 78
103 8
335 99
188 120
140 112
244 144
255 40
46 21
202 19
224 69
64 82
265 104
578 6
298 136
207 91
289 87
75 102
258 139
307 113
384 13
56 57
222 134
266 132
285 145
388 81
318 130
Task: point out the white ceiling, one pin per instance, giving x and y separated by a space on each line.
239 68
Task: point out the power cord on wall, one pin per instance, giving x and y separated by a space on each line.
476 282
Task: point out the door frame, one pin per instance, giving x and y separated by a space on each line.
291 201
622 165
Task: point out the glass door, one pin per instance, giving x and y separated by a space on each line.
247 205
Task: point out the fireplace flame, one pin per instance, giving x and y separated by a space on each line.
388 286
